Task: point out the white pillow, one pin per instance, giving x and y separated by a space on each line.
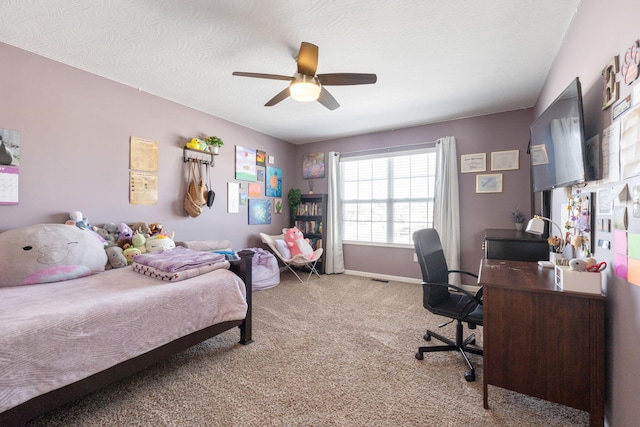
282 247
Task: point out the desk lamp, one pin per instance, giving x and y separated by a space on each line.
536 225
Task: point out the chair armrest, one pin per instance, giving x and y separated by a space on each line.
477 297
464 272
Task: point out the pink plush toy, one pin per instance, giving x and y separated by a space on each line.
297 243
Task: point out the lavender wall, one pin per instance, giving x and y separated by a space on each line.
75 129
497 132
600 31
74 134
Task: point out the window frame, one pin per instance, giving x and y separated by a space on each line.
430 200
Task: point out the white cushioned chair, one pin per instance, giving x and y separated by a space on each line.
292 263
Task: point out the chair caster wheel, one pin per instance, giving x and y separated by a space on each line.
470 376
419 356
427 337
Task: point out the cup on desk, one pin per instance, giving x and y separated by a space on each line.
555 258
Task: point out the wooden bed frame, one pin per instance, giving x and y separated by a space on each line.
39 405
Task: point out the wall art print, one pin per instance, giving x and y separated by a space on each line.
9 166
313 165
254 189
261 158
277 206
259 211
245 164
273 182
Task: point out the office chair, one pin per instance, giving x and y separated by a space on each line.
444 299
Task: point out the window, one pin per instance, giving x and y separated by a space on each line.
385 198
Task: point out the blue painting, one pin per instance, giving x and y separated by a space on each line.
259 211
273 182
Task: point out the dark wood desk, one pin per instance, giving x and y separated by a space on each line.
540 340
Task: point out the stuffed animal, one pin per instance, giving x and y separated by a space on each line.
46 253
139 242
125 243
155 228
129 253
159 242
297 243
115 257
577 264
140 228
124 232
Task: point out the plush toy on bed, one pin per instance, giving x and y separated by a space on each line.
139 242
47 253
159 242
130 253
115 257
297 243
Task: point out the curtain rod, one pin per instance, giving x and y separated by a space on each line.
388 149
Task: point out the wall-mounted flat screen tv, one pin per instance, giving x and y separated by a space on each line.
557 148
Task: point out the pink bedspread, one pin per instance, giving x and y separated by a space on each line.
54 334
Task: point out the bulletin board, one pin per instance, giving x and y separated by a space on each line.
143 173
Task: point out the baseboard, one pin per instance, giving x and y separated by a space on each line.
383 276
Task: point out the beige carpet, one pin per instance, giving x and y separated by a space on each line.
337 351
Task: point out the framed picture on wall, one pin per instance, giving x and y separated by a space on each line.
505 160
476 162
313 165
259 211
489 183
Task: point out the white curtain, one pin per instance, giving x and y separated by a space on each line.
446 211
333 258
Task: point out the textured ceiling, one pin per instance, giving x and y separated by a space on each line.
435 60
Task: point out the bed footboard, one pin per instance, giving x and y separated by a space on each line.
243 268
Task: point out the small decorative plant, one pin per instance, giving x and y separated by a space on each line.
213 141
517 216
294 197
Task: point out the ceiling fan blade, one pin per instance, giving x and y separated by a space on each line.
343 79
262 76
308 59
279 97
327 100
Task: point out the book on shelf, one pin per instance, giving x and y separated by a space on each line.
310 209
309 227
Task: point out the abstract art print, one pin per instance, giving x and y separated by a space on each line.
313 165
273 182
259 211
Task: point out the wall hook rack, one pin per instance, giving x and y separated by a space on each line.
204 157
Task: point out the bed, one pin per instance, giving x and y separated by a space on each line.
59 341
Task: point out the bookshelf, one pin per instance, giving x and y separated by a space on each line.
311 220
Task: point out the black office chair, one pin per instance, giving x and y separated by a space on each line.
444 299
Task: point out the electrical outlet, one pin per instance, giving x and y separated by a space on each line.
415 257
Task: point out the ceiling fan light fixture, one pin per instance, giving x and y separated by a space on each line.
304 88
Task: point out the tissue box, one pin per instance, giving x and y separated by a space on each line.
578 281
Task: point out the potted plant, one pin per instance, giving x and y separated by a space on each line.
294 196
518 218
213 143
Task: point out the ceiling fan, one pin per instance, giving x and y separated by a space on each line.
306 85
